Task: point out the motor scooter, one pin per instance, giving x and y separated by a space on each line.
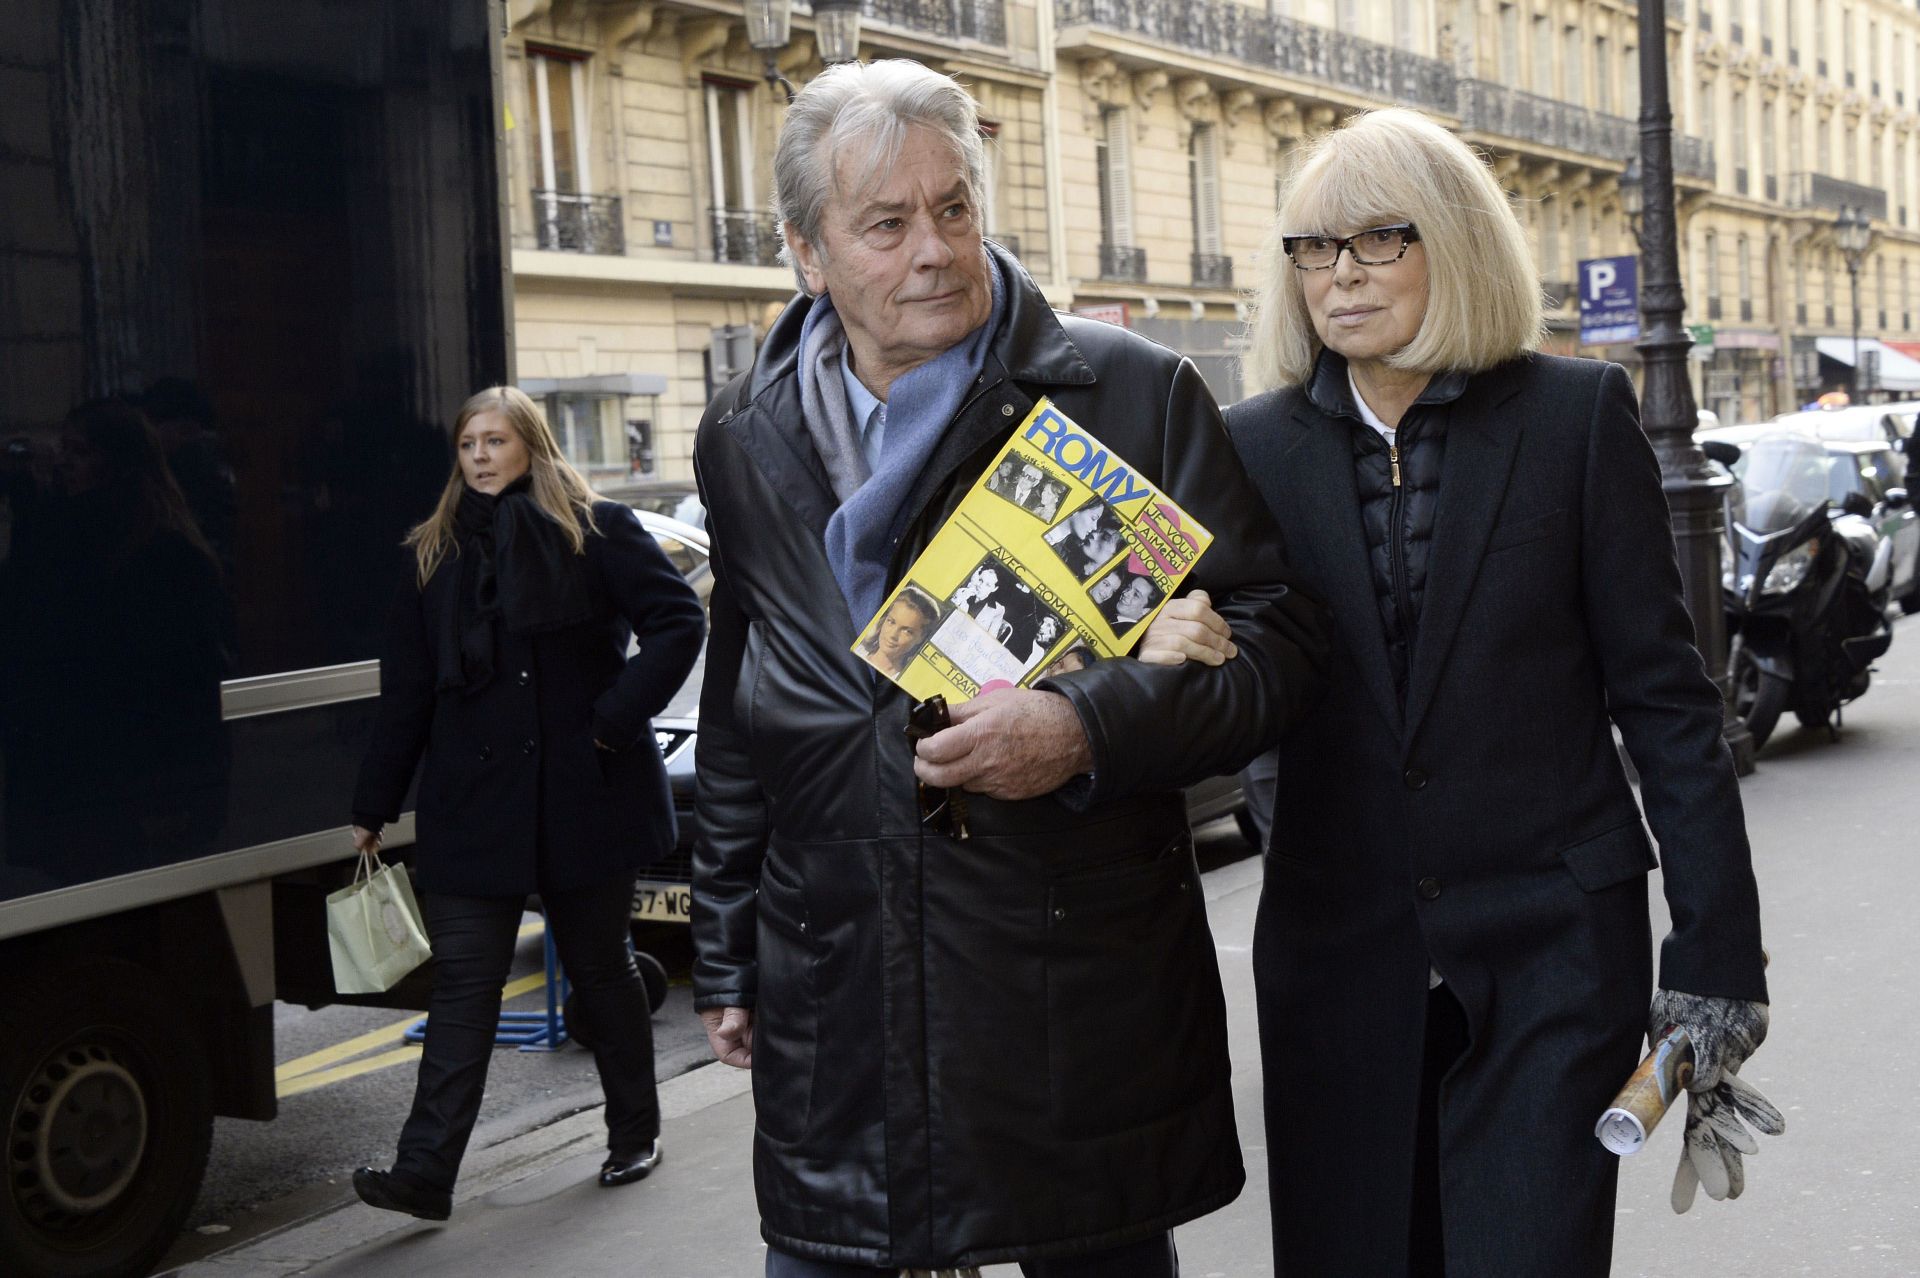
1805 585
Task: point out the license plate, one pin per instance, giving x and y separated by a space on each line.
662 902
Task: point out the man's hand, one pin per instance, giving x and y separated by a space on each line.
1720 1105
730 1034
1013 744
1188 629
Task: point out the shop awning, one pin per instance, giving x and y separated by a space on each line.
1910 349
1898 372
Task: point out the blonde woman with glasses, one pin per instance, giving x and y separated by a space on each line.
1452 954
507 672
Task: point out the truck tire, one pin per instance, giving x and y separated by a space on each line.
103 1088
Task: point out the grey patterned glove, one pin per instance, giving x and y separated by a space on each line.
1724 1032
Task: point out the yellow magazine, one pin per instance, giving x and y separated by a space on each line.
1058 557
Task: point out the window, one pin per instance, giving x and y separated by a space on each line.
1602 75
1823 142
1509 44
989 210
1745 263
1880 285
1543 55
1799 285
1873 58
1404 34
1203 176
739 234
1820 36
1796 141
556 91
1846 44
1549 215
1739 142
1877 150
1770 149
1704 109
1581 235
1713 275
1111 155
1851 141
1833 282
1574 60
1906 298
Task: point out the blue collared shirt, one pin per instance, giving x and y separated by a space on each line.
867 410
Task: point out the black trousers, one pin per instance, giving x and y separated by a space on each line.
1446 1040
473 941
1152 1258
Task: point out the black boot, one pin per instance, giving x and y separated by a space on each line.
396 1191
624 1171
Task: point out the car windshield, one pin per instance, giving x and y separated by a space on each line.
691 560
1785 479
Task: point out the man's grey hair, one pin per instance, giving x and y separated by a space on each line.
858 114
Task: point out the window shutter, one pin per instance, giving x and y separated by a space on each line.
1206 193
1120 175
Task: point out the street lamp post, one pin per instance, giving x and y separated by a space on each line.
1667 410
836 25
1852 232
769 26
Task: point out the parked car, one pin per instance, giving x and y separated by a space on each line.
1890 425
662 892
1872 476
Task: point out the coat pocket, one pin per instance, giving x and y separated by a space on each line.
1135 1016
1610 858
786 1018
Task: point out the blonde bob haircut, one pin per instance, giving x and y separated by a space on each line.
1396 165
557 489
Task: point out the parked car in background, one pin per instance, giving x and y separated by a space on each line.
1890 425
677 499
662 891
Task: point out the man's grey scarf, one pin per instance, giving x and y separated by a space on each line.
862 532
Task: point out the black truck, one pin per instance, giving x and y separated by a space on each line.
252 257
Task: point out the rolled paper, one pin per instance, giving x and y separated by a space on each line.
1649 1093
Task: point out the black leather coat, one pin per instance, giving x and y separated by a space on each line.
515 797
1485 827
1013 1046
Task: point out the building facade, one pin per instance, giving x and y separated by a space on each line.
1136 150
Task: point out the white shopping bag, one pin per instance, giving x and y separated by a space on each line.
374 929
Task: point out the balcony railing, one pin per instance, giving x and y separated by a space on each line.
1692 157
740 235
1123 262
1212 270
982 20
1495 108
1819 191
1225 29
574 223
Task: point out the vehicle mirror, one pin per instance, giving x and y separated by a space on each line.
1896 499
1721 451
1856 503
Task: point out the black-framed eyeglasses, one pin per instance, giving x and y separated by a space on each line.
1375 246
942 810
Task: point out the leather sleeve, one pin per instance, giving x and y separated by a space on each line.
1668 710
406 712
647 591
1165 727
731 807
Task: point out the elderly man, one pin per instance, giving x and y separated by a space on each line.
965 1050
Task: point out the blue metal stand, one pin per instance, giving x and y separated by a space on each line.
529 1031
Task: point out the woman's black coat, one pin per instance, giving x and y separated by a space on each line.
1486 828
515 797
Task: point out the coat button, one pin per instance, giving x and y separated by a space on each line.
526 677
527 746
1429 889
486 754
1059 913
1006 410
1415 779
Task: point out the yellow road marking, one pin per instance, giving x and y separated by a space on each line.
341 1051
304 1066
321 1078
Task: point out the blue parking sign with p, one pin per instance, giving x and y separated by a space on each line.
1609 300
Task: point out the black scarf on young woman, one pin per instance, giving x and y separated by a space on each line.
515 565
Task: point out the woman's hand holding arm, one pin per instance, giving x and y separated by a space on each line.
1188 629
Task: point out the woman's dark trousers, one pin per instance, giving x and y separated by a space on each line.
473 942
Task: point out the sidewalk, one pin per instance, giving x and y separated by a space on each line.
1834 848
531 1205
